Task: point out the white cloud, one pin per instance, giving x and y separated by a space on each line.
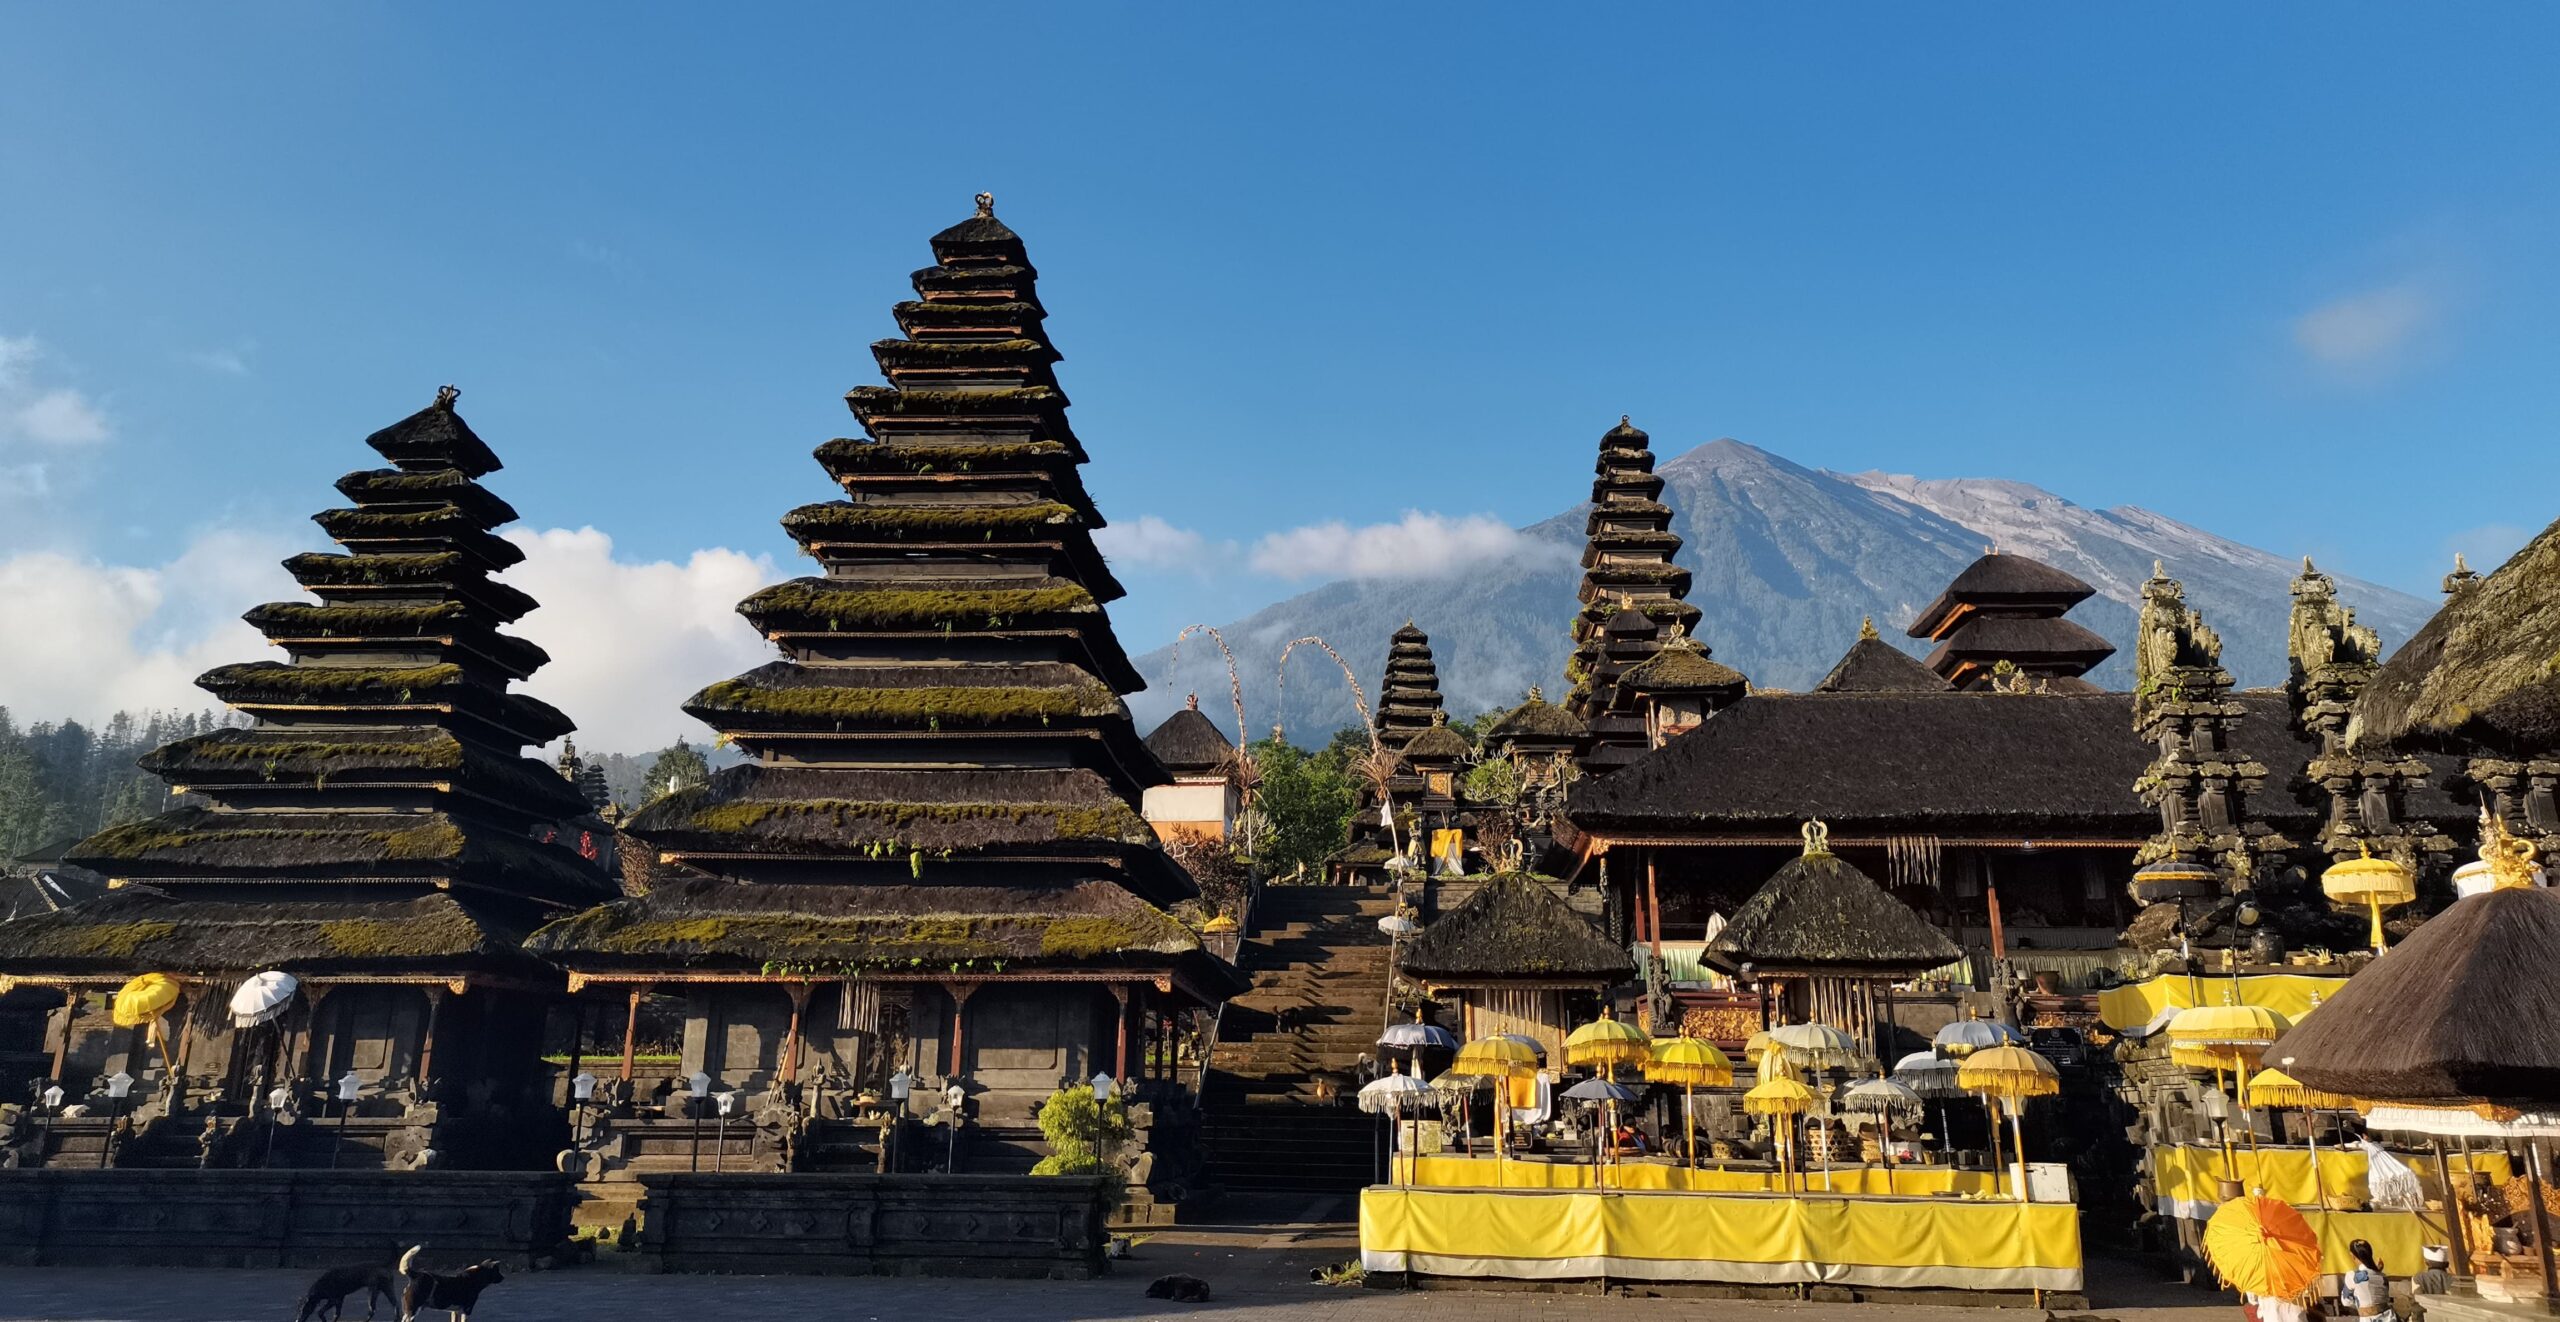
81 638
631 640
2369 332
1148 542
226 362
1418 546
39 413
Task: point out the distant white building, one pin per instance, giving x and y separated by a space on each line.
1202 802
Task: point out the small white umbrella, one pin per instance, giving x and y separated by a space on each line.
262 999
1415 1036
1933 1078
1816 1046
1396 1096
1884 1099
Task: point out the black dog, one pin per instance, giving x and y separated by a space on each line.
330 1292
456 1293
1180 1289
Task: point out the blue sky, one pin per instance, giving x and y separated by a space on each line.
2284 272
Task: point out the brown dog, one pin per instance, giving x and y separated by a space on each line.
457 1293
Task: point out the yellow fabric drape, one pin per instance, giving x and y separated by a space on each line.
2288 994
1448 844
2188 1179
1524 1092
1884 1244
1470 1173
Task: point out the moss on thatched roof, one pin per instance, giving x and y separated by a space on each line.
890 401
962 353
1819 914
2485 670
198 837
277 682
1638 571
1028 695
302 620
863 455
1536 720
837 606
1438 743
285 756
377 524
141 927
925 522
1681 667
2462 1008
1515 926
844 929
942 312
391 486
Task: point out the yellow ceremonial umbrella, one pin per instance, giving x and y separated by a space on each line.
143 1000
2370 882
2220 1037
1500 1058
1689 1062
2011 1075
1607 1044
2262 1246
1782 1099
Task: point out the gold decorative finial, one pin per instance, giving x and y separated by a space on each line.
1536 694
2510 859
1817 839
1191 703
445 395
1867 630
986 206
2459 566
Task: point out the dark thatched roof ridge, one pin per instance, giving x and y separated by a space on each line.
2022 639
435 437
1872 665
1536 719
1438 744
1189 743
2463 1008
2485 669
1680 667
1819 913
1515 927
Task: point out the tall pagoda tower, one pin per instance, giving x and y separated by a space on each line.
377 832
938 824
1409 697
2007 610
1633 595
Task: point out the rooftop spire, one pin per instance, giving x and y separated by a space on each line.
987 206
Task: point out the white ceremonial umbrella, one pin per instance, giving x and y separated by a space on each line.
262 999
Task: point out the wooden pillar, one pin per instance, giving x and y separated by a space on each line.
1120 1038
1991 901
427 1041
312 996
1653 909
631 1027
960 993
187 1010
70 1016
799 992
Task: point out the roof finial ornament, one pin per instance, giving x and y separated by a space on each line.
1867 630
445 395
1626 419
986 206
2307 566
2463 575
1537 694
2159 569
1817 839
1191 703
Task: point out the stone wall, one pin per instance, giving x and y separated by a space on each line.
890 1225
275 1218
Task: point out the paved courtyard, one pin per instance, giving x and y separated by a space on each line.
1258 1272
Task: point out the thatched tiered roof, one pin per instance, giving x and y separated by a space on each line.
1409 694
1628 562
947 708
381 814
1515 928
1535 726
1819 915
2485 671
2009 608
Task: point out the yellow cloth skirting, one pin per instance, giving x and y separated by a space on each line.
1658 1177
2289 994
1744 1240
2188 1180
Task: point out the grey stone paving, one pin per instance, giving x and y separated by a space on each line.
1259 1274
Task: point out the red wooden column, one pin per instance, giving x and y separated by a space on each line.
791 1037
1120 1035
427 1041
70 1015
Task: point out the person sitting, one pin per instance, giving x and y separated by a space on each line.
1630 1142
2365 1288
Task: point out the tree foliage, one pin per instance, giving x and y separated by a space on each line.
1305 801
1085 1136
64 780
678 767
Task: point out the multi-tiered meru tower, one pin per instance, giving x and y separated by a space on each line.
1633 596
377 833
938 824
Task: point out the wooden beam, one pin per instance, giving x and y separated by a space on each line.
960 993
799 993
1120 1045
631 1027
427 1043
70 1015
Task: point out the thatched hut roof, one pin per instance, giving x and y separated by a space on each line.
1819 914
142 928
2485 670
1872 665
2462 1009
1515 928
1681 667
1190 744
2002 581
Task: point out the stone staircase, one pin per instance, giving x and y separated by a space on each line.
1280 1112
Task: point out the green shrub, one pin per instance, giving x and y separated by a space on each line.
1085 1136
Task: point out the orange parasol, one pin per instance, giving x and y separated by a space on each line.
2260 1245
